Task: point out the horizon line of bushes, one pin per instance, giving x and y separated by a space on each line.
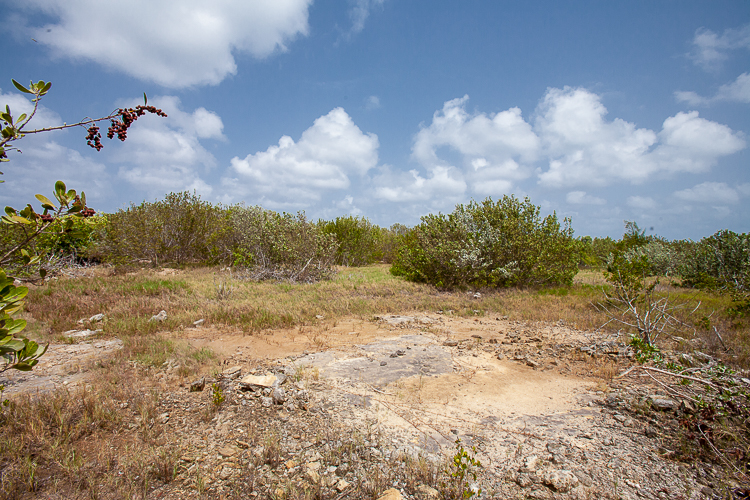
482 244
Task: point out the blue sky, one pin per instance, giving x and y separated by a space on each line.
392 109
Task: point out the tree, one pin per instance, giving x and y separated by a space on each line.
19 352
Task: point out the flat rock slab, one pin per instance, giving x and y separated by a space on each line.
258 380
62 364
385 361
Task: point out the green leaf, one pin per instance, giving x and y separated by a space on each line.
42 272
46 203
14 345
16 326
24 366
60 188
46 88
21 118
21 87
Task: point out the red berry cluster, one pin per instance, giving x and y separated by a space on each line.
87 212
94 139
127 117
47 218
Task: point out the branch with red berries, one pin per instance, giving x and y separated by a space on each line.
120 121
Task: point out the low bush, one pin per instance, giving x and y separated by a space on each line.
179 229
489 244
270 245
359 241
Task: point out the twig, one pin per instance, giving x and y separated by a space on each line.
688 377
721 455
716 331
672 390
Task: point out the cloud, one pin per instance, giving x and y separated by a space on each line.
173 44
581 198
737 91
494 149
710 193
710 49
584 148
359 11
166 154
443 183
372 102
642 203
326 157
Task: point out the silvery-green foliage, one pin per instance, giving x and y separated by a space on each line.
495 244
720 261
269 245
663 259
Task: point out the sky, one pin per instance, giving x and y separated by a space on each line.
393 109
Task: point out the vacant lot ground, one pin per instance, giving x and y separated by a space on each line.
337 390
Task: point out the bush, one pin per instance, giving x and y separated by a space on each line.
281 246
359 241
179 229
720 262
494 244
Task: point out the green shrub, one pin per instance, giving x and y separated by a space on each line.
281 246
494 244
720 262
359 241
179 229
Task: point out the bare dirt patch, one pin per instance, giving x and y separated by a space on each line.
536 400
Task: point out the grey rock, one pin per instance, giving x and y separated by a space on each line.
266 401
232 372
198 322
450 343
198 385
255 382
278 396
162 316
383 363
663 404
97 318
559 480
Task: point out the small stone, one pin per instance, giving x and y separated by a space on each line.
242 444
278 396
531 363
97 318
663 404
313 476
392 494
162 316
291 464
618 417
560 480
198 385
227 451
450 343
266 402
383 363
254 382
651 432
500 356
341 485
319 316
164 418
198 322
232 372
523 480
427 492
400 352
530 463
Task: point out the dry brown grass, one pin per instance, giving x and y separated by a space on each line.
82 444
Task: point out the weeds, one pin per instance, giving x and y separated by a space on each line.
461 471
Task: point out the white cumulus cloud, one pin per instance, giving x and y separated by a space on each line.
710 193
736 91
326 157
494 149
359 11
586 149
710 49
175 44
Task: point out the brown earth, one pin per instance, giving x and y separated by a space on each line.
547 419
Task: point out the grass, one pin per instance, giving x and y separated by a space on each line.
83 442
